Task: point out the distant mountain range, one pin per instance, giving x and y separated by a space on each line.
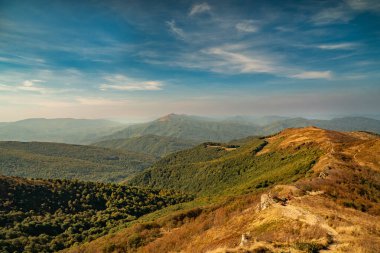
183 128
205 129
188 127
74 131
338 124
260 121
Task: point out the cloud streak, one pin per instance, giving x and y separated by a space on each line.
98 101
175 30
345 11
364 5
124 83
240 62
236 59
27 85
331 15
313 75
247 26
199 8
338 46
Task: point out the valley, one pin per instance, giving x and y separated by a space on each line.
67 161
300 190
336 211
154 145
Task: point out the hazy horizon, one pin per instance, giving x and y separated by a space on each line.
211 117
139 60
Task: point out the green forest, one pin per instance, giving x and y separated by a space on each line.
149 144
215 168
65 161
50 215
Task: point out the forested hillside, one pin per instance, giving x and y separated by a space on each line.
56 160
228 168
189 128
302 190
50 215
150 144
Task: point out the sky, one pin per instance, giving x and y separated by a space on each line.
137 60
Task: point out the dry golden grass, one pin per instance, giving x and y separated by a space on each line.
338 211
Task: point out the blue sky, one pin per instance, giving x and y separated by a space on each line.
137 60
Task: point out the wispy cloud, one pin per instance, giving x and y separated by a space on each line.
236 61
247 26
30 85
337 46
175 30
22 60
331 15
124 83
96 101
199 8
313 75
247 62
364 5
27 85
45 81
241 58
39 39
345 11
6 88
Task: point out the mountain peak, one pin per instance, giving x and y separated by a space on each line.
170 116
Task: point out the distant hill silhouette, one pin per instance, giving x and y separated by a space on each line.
188 127
206 129
75 131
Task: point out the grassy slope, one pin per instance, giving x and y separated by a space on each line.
55 160
311 221
210 170
149 144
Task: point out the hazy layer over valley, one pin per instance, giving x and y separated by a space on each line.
185 128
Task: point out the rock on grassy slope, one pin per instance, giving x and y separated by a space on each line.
333 208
